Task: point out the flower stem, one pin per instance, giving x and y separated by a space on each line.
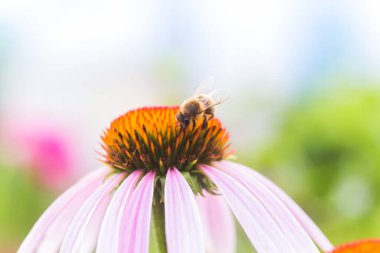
159 226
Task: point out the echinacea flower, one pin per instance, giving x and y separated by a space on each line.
182 180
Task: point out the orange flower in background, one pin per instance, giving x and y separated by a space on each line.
365 246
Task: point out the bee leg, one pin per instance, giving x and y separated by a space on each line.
206 120
204 124
194 123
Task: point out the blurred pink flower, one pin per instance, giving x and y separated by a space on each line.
44 149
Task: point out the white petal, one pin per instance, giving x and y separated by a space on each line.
296 235
78 226
69 200
108 227
134 220
305 221
182 219
218 223
259 225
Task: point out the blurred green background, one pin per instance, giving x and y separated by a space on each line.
304 108
326 154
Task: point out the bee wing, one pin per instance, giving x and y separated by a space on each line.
218 96
205 87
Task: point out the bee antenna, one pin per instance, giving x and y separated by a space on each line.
210 107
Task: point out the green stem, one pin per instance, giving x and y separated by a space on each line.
159 226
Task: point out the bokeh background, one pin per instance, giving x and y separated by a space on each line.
304 107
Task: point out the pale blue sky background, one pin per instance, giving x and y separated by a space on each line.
83 63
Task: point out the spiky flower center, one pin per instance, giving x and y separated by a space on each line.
150 138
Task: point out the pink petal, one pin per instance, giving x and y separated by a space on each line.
91 234
78 226
299 214
296 235
182 219
259 225
218 223
53 238
134 220
71 199
106 236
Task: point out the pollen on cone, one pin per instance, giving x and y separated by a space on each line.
150 138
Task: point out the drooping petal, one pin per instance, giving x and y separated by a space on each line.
133 223
57 232
91 234
218 224
107 238
78 226
261 229
71 199
182 219
305 221
296 235
54 236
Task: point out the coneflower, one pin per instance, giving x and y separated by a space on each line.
182 180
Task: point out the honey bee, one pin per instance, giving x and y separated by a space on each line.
200 105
